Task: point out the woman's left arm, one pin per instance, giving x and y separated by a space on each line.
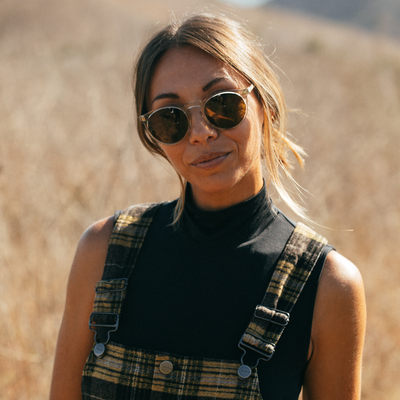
337 336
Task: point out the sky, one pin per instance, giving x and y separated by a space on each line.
246 3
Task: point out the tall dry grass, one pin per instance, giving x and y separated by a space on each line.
69 156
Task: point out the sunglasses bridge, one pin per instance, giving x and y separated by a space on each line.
201 104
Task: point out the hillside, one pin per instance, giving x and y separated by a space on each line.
69 156
382 16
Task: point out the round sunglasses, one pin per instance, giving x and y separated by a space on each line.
223 110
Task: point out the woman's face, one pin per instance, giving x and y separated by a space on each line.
223 166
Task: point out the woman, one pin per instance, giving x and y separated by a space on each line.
227 298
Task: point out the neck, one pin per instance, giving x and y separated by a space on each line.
223 199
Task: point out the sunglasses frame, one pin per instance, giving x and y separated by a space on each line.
243 93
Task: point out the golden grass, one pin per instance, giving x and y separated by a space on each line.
69 156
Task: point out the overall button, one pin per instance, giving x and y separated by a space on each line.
99 350
244 371
166 367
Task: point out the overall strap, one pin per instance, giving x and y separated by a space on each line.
126 240
288 280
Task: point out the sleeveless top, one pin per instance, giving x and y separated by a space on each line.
194 288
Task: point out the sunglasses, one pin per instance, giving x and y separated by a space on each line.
223 110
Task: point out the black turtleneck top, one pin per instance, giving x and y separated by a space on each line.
195 286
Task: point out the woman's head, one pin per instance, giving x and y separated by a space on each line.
230 43
214 119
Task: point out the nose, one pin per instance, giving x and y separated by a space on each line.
200 129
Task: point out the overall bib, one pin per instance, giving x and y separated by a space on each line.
115 371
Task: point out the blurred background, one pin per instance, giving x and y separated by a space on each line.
69 154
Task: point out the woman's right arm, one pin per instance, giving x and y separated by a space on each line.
75 339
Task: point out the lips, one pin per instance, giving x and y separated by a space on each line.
210 158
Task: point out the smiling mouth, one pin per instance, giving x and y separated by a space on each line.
210 158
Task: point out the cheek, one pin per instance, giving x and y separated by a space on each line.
174 155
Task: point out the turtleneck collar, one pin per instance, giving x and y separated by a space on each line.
231 226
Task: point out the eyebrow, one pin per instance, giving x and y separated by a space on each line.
212 83
172 95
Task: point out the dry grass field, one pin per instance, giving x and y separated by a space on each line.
69 156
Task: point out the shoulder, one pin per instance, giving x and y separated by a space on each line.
75 339
340 279
93 245
95 240
337 334
90 256
98 234
340 301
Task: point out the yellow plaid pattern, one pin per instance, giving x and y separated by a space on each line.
291 273
134 374
126 373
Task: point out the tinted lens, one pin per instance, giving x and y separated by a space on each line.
225 110
168 125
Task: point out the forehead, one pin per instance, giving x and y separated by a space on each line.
188 66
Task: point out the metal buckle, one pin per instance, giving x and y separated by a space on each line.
266 357
244 371
100 325
100 347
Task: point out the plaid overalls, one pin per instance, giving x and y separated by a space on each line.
114 371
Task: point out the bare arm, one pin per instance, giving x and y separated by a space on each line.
337 337
75 340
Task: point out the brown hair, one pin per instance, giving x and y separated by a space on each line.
228 41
